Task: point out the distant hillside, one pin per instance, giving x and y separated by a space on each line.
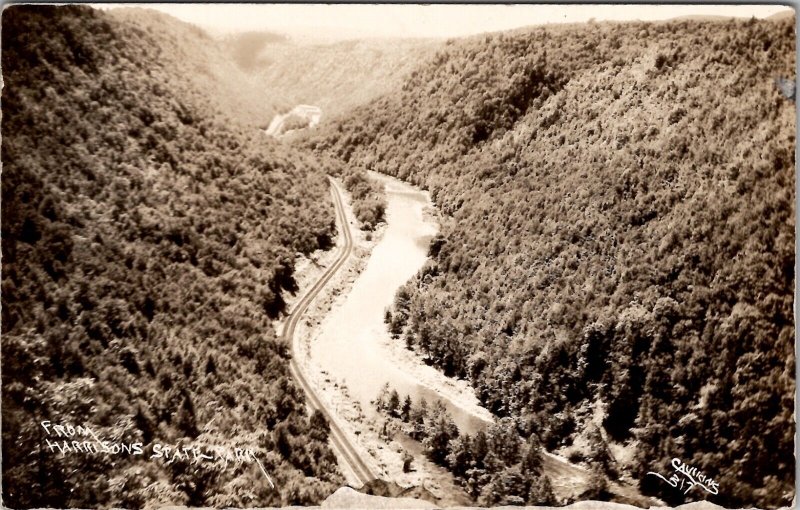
783 15
247 47
147 241
338 76
615 269
253 76
219 68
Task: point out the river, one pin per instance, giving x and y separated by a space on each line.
353 344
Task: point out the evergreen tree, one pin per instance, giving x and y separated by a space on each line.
480 448
405 411
459 458
185 419
599 452
541 491
438 440
211 365
382 398
393 404
532 457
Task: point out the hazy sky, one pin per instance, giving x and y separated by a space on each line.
426 20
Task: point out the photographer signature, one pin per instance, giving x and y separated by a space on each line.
691 477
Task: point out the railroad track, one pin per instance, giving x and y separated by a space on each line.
339 440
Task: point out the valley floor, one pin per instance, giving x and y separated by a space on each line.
384 454
378 440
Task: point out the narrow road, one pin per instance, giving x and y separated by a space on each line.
339 440
566 477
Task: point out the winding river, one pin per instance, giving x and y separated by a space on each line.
353 344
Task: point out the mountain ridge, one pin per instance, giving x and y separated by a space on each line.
148 241
617 196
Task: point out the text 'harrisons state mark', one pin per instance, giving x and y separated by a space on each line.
81 439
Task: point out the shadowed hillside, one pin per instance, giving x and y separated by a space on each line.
219 69
615 270
147 242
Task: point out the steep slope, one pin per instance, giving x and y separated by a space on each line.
218 69
228 75
254 75
147 241
618 247
335 76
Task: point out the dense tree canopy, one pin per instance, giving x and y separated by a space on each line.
618 236
494 466
147 242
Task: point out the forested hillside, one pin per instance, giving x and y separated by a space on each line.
617 249
336 76
221 70
147 242
252 76
255 75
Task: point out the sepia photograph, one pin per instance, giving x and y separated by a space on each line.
398 256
